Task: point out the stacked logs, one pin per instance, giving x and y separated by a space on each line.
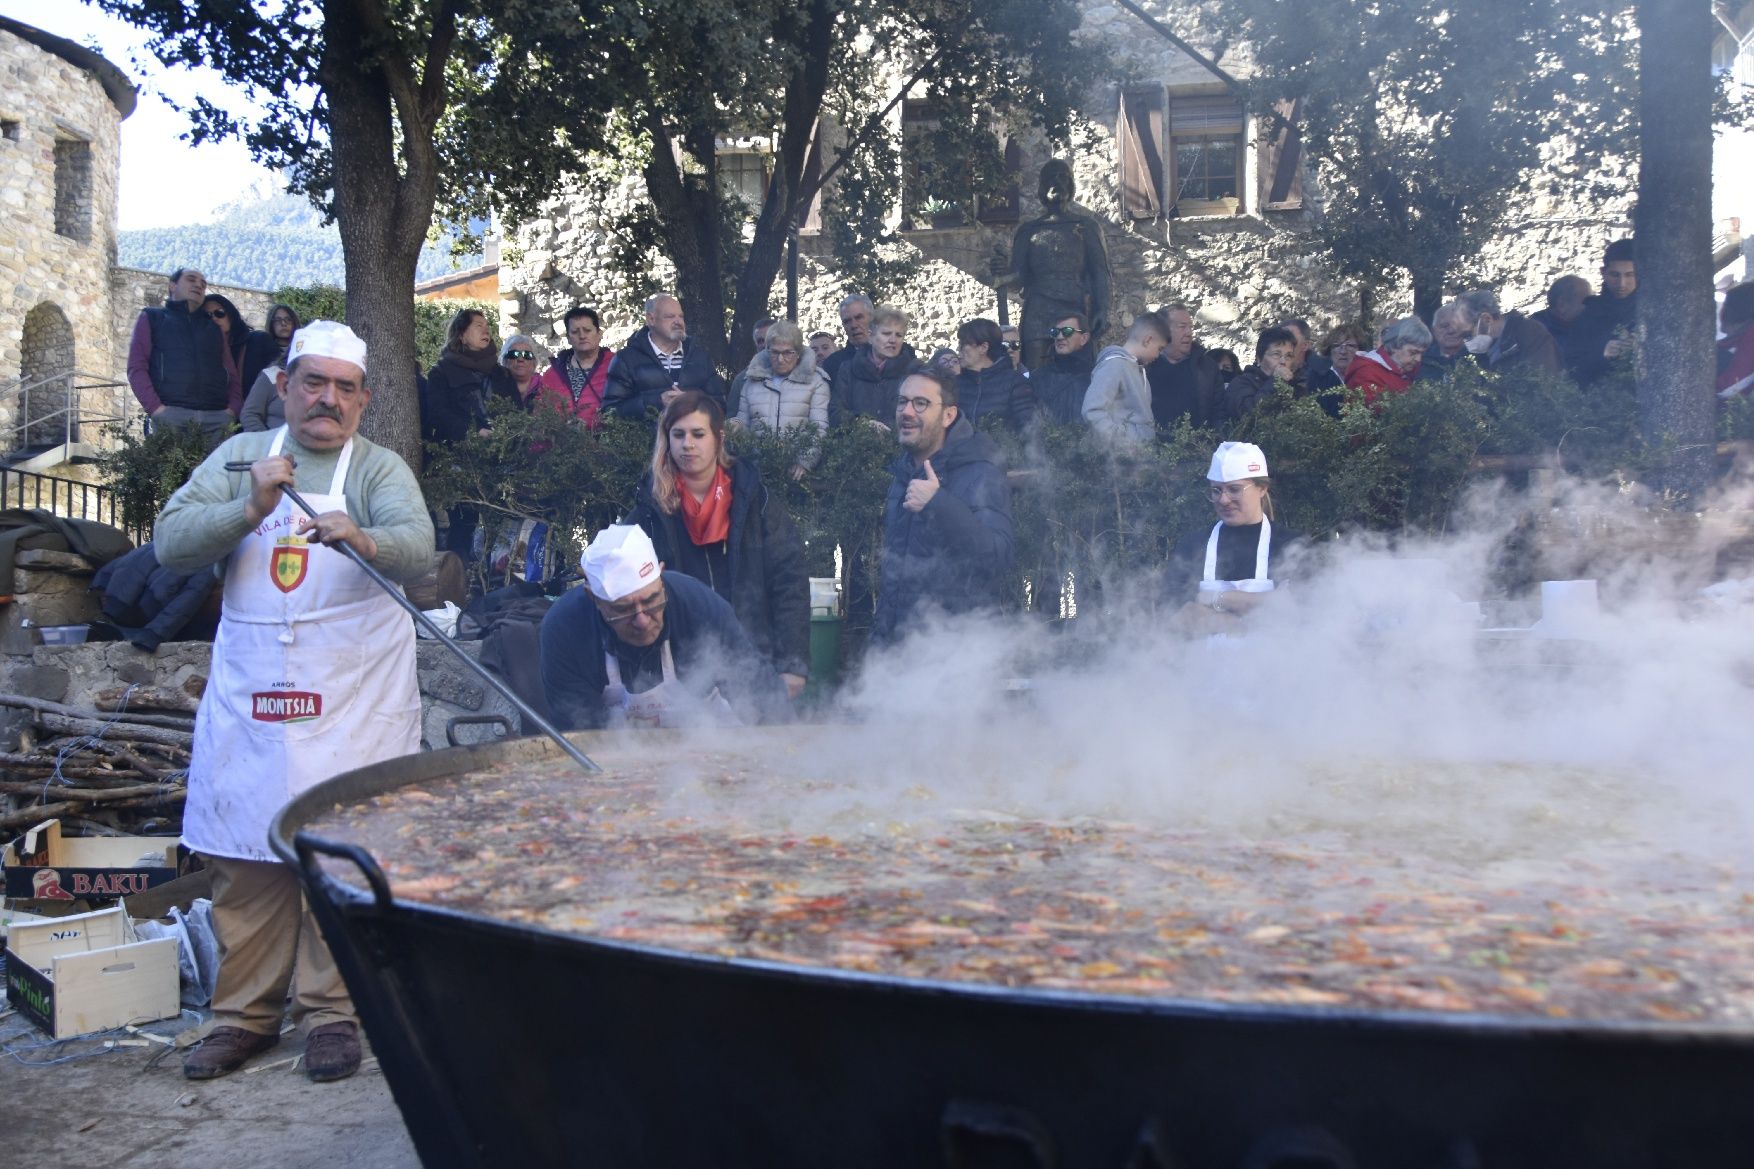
100 772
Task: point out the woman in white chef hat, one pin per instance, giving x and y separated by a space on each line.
1224 572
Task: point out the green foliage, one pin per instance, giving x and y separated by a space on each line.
543 465
1424 117
431 317
264 243
839 502
145 472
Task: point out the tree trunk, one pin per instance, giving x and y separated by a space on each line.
688 221
385 185
1673 230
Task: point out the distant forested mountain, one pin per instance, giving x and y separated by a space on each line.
263 241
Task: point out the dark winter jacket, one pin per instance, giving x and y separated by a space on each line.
183 359
1436 366
1604 318
148 603
1187 388
638 381
759 569
861 388
1524 344
260 351
1237 546
1060 384
456 398
1245 393
709 647
956 553
999 391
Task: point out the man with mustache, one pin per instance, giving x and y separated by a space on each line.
312 674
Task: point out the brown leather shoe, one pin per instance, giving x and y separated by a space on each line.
332 1052
225 1049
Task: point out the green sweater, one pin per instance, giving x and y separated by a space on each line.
204 520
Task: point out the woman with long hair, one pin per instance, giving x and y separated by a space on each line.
710 516
467 374
266 355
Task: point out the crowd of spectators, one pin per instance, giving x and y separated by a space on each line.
948 536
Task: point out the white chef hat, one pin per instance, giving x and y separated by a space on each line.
1237 460
619 561
327 339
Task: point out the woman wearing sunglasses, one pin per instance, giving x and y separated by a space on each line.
1222 572
231 323
518 357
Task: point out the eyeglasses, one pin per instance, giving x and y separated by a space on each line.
772 352
622 617
920 405
1064 331
217 314
1013 346
1220 491
520 355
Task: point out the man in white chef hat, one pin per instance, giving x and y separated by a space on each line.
312 674
638 646
1224 571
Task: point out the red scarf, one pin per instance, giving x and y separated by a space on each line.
708 520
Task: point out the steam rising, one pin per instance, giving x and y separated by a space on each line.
1365 698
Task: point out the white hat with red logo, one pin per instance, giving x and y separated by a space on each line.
1237 460
620 561
327 339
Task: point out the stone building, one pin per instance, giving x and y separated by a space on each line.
66 310
1200 201
61 110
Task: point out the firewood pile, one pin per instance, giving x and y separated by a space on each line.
119 768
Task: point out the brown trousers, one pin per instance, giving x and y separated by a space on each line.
265 931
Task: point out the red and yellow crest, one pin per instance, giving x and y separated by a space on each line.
289 563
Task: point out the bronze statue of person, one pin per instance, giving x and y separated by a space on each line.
1059 261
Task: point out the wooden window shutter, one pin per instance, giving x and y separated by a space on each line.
1002 207
1282 159
1140 140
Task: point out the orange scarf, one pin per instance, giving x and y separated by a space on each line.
708 520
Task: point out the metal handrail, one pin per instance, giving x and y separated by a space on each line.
69 498
68 385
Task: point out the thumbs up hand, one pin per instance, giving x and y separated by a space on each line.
920 491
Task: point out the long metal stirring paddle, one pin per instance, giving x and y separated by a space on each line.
426 623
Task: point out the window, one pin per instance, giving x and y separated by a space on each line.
744 173
73 188
1187 155
9 129
936 191
1205 155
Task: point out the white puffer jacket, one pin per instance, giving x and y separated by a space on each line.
783 403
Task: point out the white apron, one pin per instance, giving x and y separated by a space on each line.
1211 589
313 674
665 705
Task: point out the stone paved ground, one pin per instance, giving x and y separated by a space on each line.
120 1108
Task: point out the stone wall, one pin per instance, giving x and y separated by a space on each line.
50 107
1239 272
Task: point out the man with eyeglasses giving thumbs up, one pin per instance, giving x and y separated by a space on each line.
947 535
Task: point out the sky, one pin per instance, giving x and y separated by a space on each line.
207 176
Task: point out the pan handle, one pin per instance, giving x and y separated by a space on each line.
972 1131
305 845
470 720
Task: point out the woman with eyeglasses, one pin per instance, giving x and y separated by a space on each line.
782 389
710 516
989 386
1221 573
1341 347
263 409
518 358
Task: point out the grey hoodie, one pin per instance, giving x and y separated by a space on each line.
1118 403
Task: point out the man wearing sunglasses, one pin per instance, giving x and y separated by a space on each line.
177 364
1060 382
641 647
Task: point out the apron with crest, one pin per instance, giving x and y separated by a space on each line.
312 674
